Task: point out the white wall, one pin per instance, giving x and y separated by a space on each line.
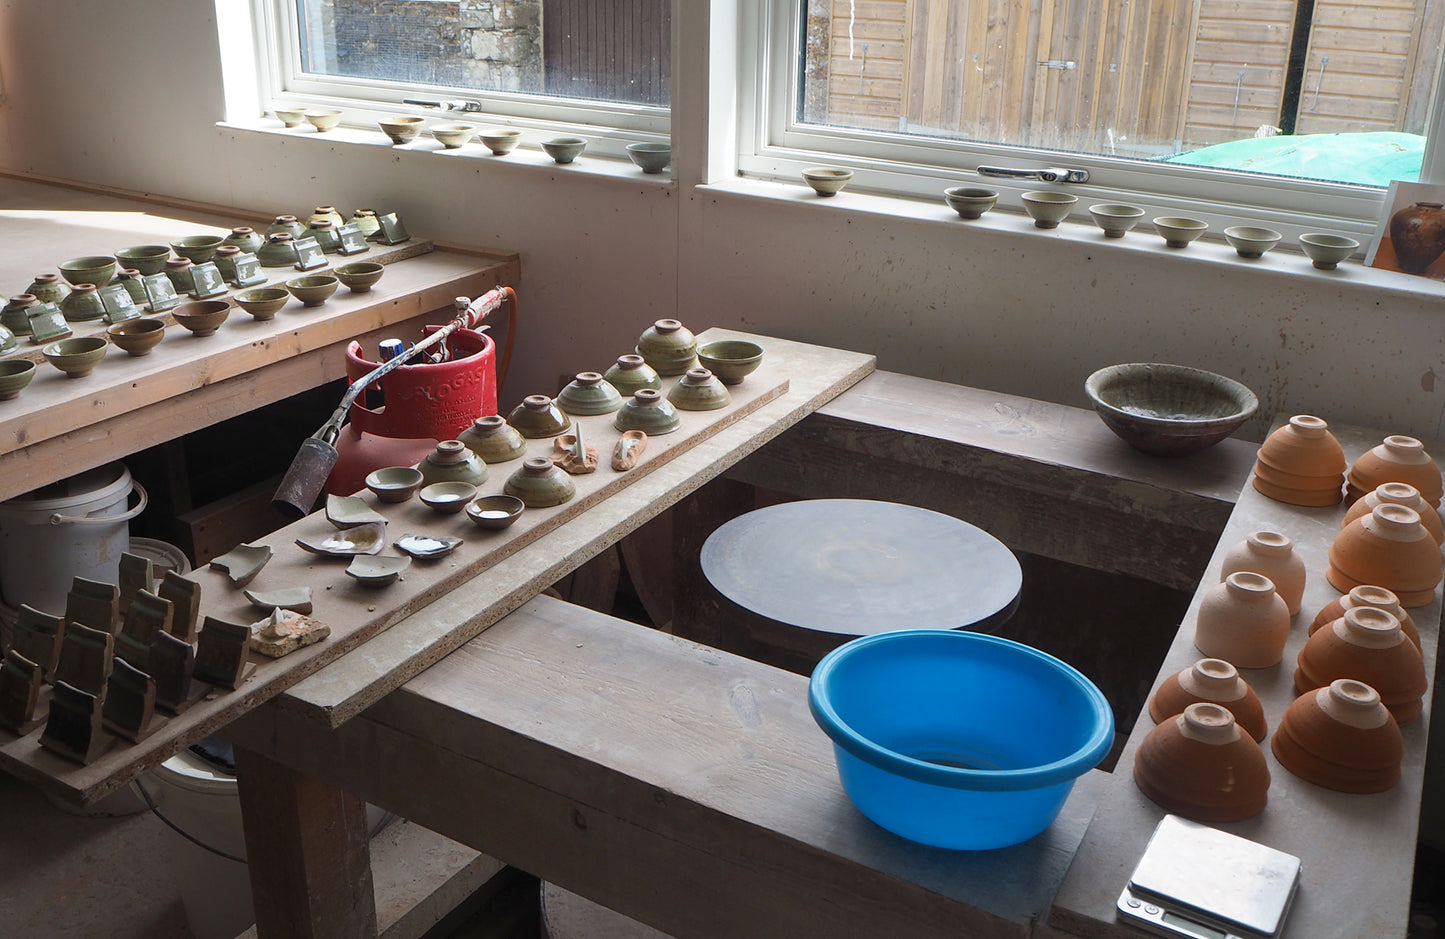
993 304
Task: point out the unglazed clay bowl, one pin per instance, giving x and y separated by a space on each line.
313 289
1341 737
1327 251
564 149
144 259
394 483
323 119
1115 218
78 356
137 337
202 317
449 497
1178 231
402 129
360 276
1397 459
1216 681
96 269
827 180
495 512
1048 208
957 739
15 374
501 141
731 360
263 302
1200 765
198 249
1169 410
1251 242
1304 449
970 201
453 136
289 117
650 157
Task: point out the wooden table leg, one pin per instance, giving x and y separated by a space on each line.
307 847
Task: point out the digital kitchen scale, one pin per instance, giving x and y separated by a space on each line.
1198 882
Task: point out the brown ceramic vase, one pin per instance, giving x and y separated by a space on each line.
1201 766
1390 548
1243 621
1371 596
1341 737
1366 645
1398 459
1399 494
1272 554
1214 681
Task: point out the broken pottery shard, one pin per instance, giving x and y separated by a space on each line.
349 511
284 632
296 599
628 450
243 562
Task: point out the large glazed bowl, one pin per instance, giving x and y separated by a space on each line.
1169 410
958 739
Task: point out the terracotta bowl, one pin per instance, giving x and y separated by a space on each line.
15 374
1292 496
731 360
1399 494
564 149
139 336
970 202
827 180
198 249
1215 681
1341 737
263 302
97 269
1200 765
313 289
1327 251
78 356
203 317
1048 208
1304 447
650 157
1390 548
394 483
1169 410
501 141
360 276
495 512
1397 459
1368 646
1371 596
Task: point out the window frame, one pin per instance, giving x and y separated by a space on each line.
772 144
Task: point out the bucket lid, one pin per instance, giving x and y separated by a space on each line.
185 770
101 485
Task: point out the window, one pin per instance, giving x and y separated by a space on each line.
1269 109
598 63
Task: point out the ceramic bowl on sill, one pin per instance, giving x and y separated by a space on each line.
289 117
1115 218
1048 208
564 149
323 119
1178 231
970 202
453 136
402 129
1251 242
827 180
501 141
650 157
1327 251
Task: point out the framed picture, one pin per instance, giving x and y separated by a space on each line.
1410 236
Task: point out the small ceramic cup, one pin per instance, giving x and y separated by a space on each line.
501 141
453 136
289 117
564 149
1326 251
323 119
313 289
1250 241
15 374
1178 231
827 180
650 157
1048 208
1115 218
137 336
401 129
970 201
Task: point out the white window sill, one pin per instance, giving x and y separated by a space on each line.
1009 221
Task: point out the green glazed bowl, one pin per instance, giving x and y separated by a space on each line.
650 157
540 484
263 303
198 248
144 259
15 374
501 142
76 357
589 393
731 360
202 317
493 439
495 512
564 149
631 373
137 337
453 136
827 180
394 483
313 289
360 276
699 390
648 411
538 416
96 269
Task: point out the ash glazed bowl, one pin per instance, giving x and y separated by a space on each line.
564 149
731 360
453 136
495 512
360 276
402 129
394 483
501 141
1169 410
76 357
1178 231
650 157
970 202
144 259
203 317
323 119
15 374
955 739
289 117
97 269
198 249
1047 208
139 336
827 180
1326 251
313 289
263 303
1249 241
1115 218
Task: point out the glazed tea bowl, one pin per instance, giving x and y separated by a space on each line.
394 483
289 117
263 303
360 276
731 360
969 201
97 269
76 357
501 141
402 129
323 119
138 336
203 317
144 259
1169 410
957 739
197 248
564 149
453 136
495 512
1326 251
1178 231
313 289
827 180
1250 241
1116 219
15 374
1048 208
650 157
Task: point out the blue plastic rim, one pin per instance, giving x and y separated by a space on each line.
958 739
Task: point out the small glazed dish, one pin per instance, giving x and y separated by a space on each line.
731 360
538 416
15 374
1178 231
495 512
139 336
363 539
96 269
377 571
1115 218
453 136
394 483
263 303
402 129
1048 208
827 180
448 498
360 276
501 141
427 547
202 317
313 289
564 149
1251 242
323 119
243 562
198 249
1327 251
76 357
650 157
144 259
350 511
970 201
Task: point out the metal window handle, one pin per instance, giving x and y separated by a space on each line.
455 104
1052 174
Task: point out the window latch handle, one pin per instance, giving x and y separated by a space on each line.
454 104
1052 174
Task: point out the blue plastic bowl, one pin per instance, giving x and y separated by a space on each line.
957 739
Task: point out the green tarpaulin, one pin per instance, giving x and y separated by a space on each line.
1363 159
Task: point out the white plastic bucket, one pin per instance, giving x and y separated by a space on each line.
78 527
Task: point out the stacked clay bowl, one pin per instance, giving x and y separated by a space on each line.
1201 766
1214 681
1399 494
1341 737
1366 645
1243 621
1301 463
1272 554
1372 596
1399 459
1389 548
